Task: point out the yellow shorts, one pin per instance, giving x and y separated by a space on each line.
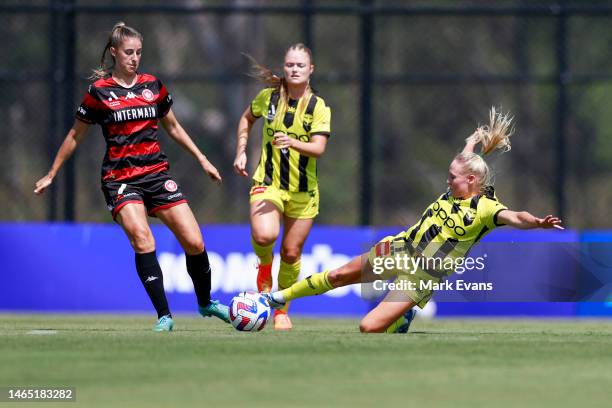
415 283
300 205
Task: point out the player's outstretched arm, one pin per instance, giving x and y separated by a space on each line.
72 140
242 136
178 134
525 220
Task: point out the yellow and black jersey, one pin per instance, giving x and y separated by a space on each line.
450 226
287 169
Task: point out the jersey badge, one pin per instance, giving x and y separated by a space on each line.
148 95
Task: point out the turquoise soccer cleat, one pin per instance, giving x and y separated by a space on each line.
409 316
164 324
214 308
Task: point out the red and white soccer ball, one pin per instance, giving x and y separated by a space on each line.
249 311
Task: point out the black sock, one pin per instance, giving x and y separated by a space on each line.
198 267
150 274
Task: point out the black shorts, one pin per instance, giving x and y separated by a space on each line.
156 191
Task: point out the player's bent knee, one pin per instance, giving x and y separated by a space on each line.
194 246
264 238
291 254
369 329
365 328
142 241
369 326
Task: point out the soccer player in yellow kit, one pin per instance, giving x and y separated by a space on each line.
285 188
447 230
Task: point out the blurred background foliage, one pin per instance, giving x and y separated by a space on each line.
434 78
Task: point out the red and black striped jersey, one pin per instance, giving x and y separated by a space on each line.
128 117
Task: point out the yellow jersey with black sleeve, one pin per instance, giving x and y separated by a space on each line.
287 169
440 241
450 226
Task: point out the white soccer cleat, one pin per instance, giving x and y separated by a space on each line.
272 302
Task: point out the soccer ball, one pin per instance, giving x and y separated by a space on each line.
249 311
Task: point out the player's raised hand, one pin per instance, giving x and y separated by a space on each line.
470 143
240 164
42 184
549 221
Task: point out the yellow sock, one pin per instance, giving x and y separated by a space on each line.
312 285
287 276
264 253
395 325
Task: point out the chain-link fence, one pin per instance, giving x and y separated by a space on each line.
407 82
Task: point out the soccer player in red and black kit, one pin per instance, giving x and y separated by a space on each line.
135 179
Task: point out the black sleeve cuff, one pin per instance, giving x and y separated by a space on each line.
84 120
495 217
252 114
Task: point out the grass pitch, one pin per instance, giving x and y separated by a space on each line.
119 361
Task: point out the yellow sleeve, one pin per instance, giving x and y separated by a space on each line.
489 211
259 106
321 119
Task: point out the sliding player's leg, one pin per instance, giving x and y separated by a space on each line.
393 315
322 282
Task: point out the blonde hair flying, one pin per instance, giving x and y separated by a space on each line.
494 136
268 78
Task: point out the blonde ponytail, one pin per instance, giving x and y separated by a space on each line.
495 135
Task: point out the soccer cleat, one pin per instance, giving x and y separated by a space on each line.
273 303
264 278
214 308
164 324
282 321
409 316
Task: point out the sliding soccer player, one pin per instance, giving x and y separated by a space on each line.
449 227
